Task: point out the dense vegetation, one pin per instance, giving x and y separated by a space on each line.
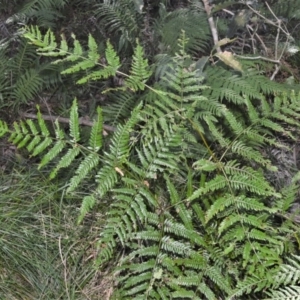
149 149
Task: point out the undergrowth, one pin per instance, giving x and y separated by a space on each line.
190 212
41 255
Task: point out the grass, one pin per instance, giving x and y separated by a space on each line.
43 253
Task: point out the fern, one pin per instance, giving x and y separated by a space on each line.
26 77
192 214
140 72
46 12
122 19
119 106
169 25
282 284
118 155
37 139
49 47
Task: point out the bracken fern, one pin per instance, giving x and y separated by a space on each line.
191 213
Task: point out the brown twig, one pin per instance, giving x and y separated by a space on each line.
212 25
82 121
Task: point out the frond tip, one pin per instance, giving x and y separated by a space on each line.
140 70
87 204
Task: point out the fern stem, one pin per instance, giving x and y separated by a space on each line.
204 141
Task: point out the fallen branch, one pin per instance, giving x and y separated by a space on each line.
82 121
212 25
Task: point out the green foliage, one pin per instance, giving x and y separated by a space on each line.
191 212
139 73
37 139
192 20
44 12
22 76
286 281
123 20
39 247
282 284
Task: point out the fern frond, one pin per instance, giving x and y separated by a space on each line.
218 183
87 204
66 160
119 151
108 71
90 162
130 205
192 210
120 106
156 158
46 12
3 128
286 293
214 273
249 284
95 141
240 202
140 71
121 19
27 85
45 44
288 273
136 80
170 25
56 149
185 215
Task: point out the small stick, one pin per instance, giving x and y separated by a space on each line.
82 121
